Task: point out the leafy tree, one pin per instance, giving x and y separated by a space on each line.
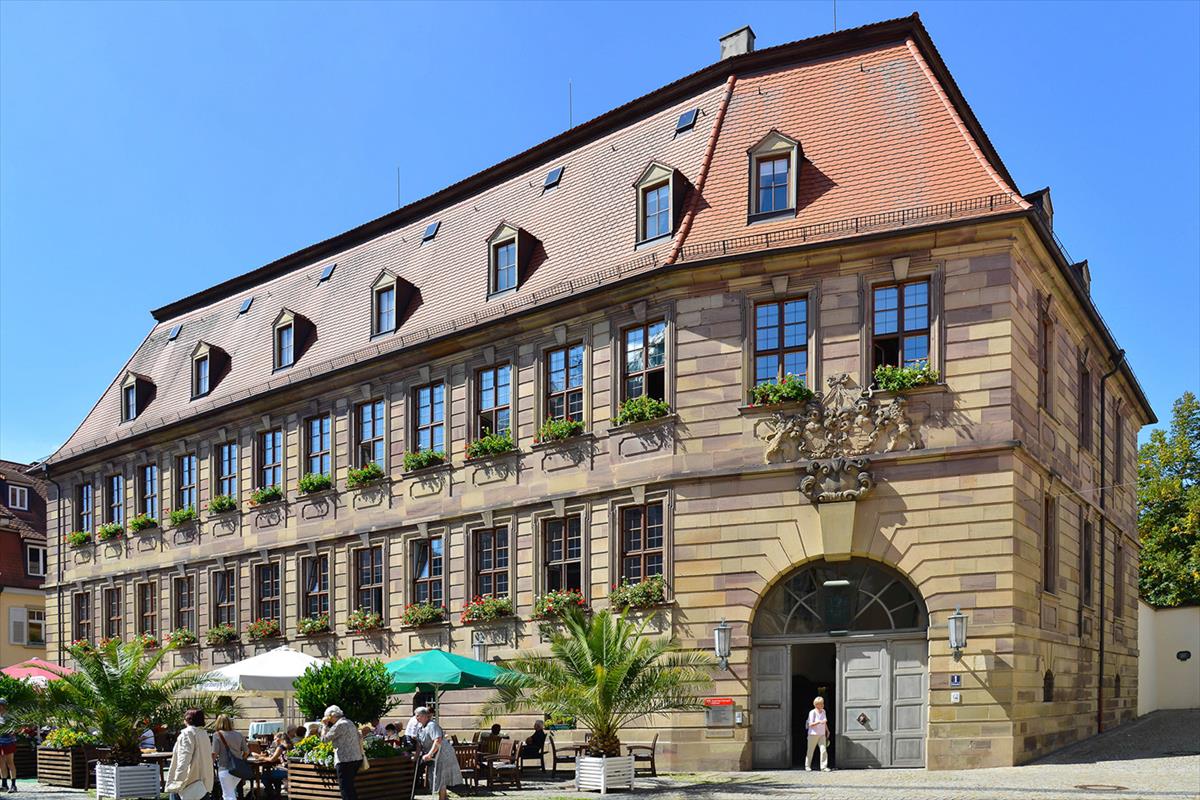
361 687
1169 509
117 688
606 673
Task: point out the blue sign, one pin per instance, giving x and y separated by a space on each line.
956 680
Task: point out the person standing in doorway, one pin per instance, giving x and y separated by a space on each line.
818 735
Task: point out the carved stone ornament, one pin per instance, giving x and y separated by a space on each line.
834 433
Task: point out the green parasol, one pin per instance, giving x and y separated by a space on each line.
436 671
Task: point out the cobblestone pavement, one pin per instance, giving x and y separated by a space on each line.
1154 758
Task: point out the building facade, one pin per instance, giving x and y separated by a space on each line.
22 563
817 210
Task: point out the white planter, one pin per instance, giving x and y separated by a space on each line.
603 773
138 780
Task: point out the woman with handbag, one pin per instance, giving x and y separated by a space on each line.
229 747
190 776
347 749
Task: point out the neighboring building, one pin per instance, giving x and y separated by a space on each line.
1168 652
818 208
22 564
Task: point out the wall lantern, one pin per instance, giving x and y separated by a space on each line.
721 638
958 632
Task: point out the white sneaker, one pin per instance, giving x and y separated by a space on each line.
826 769
808 769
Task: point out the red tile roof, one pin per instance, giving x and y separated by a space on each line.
881 130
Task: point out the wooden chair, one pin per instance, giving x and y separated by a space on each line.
255 747
504 769
556 758
475 737
468 762
453 739
539 757
489 745
643 754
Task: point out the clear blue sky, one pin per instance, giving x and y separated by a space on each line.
150 150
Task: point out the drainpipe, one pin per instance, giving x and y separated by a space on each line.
58 559
1103 549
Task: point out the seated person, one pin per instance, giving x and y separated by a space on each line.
301 732
391 732
277 758
532 748
496 729
147 741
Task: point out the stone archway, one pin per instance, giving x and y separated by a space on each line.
862 625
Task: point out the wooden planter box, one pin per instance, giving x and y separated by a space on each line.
26 760
603 773
387 779
65 767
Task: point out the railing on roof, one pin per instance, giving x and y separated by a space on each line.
852 225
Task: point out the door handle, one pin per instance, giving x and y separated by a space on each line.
769 705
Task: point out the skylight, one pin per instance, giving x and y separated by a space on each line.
246 305
174 334
686 120
327 273
553 177
431 231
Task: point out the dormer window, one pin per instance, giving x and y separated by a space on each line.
773 173
136 393
509 251
660 193
291 333
391 296
385 309
208 365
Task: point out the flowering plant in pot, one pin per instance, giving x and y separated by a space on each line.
222 504
263 629
555 603
79 538
314 482
110 531
557 430
181 637
364 476
363 621
487 608
641 409
424 613
147 640
314 625
266 494
221 634
789 390
183 516
142 522
493 444
423 459
645 593
890 378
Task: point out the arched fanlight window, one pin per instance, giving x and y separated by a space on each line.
841 597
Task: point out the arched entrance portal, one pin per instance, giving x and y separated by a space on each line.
855 632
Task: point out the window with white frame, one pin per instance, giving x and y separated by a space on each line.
659 195
773 167
35 560
26 626
430 427
18 497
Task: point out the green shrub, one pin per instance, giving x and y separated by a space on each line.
314 482
554 604
555 430
643 594
266 494
900 379
263 629
79 538
221 634
641 409
142 522
109 531
417 614
423 459
362 621
222 503
182 516
312 626
484 609
790 390
493 444
362 687
365 476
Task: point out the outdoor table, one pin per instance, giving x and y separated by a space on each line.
256 781
161 759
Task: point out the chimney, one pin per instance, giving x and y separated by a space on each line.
737 43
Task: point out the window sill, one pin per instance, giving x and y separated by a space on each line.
629 427
428 626
312 497
507 619
551 444
772 408
445 466
316 635
370 485
367 634
283 501
770 216
650 609
643 243
221 514
492 458
281 639
503 293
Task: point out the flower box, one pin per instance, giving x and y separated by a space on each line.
421 460
132 780
602 774
266 495
366 476
418 615
387 779
65 767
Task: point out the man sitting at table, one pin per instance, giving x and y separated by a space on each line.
532 748
147 740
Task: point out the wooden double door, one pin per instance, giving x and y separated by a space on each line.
881 702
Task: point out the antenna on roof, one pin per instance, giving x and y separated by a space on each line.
570 105
835 15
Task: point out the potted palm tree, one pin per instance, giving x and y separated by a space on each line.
114 691
606 673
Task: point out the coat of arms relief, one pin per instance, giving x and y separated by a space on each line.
835 434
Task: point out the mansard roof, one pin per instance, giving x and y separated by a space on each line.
912 142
